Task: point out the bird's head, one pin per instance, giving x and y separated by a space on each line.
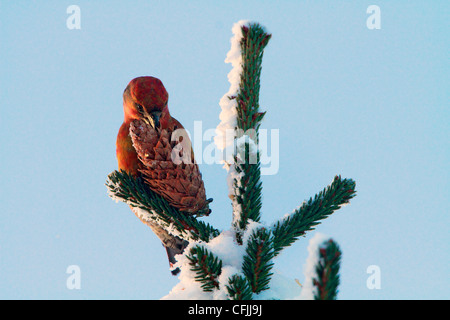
146 98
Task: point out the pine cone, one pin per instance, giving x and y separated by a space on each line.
178 182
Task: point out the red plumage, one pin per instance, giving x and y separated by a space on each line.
153 145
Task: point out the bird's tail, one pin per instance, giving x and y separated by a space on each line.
174 245
175 248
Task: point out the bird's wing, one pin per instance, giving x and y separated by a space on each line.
127 157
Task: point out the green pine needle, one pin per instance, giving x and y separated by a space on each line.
249 187
238 288
327 271
258 263
206 266
133 191
305 218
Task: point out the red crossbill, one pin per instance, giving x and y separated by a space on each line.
145 147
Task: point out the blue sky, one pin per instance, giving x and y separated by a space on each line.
371 105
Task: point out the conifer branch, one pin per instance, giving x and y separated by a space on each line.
327 270
238 288
134 192
249 193
248 187
254 40
258 263
310 213
206 266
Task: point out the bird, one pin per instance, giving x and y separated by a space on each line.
153 145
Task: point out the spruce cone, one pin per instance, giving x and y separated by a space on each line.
178 182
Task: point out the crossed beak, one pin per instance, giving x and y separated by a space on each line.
152 118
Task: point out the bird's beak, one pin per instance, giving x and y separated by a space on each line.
152 118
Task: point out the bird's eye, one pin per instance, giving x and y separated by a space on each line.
139 108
